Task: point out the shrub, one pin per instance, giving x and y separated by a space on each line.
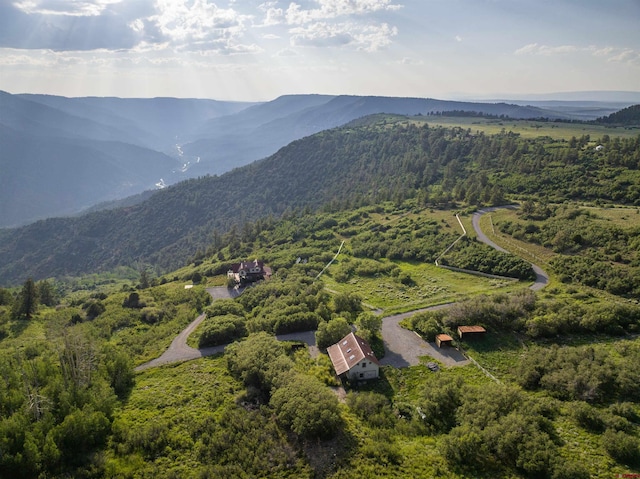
307 407
622 447
221 330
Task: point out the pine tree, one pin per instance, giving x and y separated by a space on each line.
27 302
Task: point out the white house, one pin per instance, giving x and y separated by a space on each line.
353 358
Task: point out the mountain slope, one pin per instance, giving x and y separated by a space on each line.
261 130
629 116
335 168
42 177
61 155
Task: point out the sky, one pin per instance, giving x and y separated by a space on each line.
257 50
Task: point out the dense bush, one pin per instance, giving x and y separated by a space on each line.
331 332
306 407
221 330
621 446
374 408
476 256
580 373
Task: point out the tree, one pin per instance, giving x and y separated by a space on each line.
257 361
347 303
6 299
307 407
46 293
368 325
27 302
331 332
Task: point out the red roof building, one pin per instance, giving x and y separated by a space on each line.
354 358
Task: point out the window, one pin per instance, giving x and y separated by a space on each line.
361 375
352 357
348 350
364 364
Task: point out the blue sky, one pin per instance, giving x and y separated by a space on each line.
260 49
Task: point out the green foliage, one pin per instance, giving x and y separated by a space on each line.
258 361
372 407
475 256
427 324
347 304
306 407
440 401
368 325
497 424
6 298
621 446
221 330
331 332
581 373
26 304
285 305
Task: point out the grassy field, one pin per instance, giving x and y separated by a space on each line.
531 129
433 286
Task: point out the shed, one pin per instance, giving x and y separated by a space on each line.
443 340
471 332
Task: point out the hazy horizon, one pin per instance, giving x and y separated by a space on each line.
258 50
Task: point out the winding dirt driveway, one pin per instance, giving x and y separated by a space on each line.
179 350
542 278
403 348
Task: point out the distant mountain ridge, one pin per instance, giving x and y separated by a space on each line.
63 155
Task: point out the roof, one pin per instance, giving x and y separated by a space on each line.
471 329
444 337
348 352
245 265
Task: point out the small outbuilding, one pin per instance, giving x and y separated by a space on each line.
444 340
353 358
471 332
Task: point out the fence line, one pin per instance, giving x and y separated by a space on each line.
332 260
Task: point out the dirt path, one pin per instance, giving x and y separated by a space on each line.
403 347
542 278
179 350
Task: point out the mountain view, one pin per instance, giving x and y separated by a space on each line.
319 239
105 149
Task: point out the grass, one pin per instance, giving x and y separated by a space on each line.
529 128
433 286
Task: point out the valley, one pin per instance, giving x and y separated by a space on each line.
108 375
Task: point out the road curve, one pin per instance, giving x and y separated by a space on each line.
179 350
403 347
542 278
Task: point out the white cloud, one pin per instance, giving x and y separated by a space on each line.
458 38
535 49
64 7
363 37
329 9
201 25
610 54
530 48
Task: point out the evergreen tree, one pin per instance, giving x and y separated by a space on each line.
27 301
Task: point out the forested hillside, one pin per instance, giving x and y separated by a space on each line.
629 116
359 164
102 145
556 393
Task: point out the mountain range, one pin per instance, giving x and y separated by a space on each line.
61 156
